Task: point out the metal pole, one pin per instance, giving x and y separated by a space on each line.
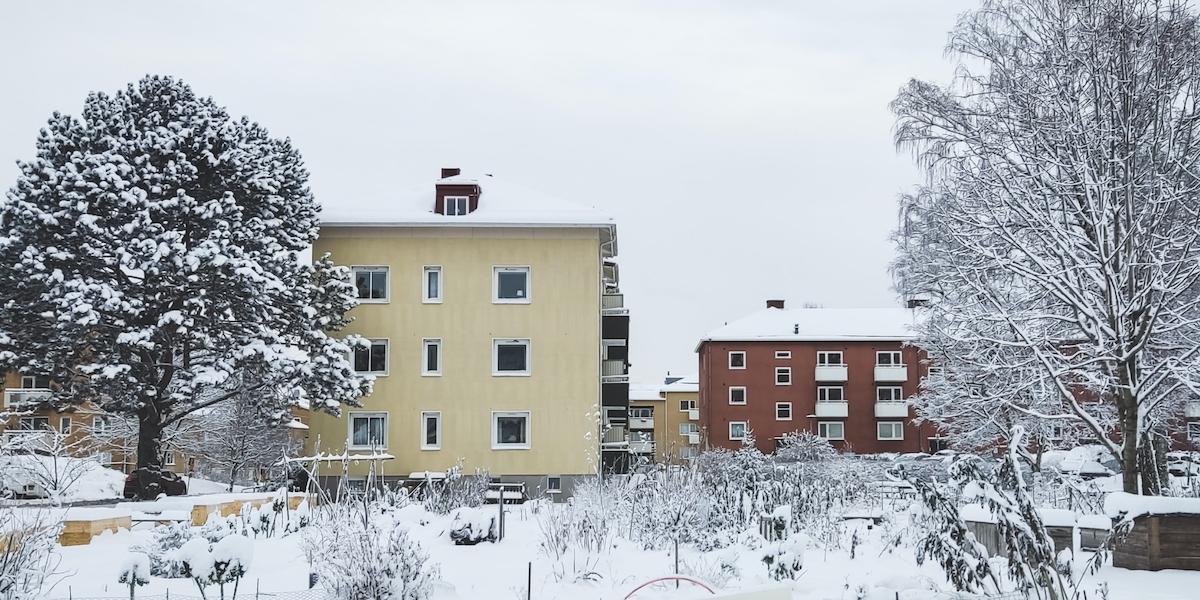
676 562
529 582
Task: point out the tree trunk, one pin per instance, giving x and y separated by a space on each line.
148 475
1129 445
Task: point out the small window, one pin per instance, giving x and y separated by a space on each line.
372 283
688 452
372 359
553 484
510 430
737 395
35 382
783 411
100 425
888 358
688 428
783 354
830 359
510 285
64 425
431 430
431 356
831 430
510 357
641 412
831 393
431 285
737 430
368 430
889 393
169 459
890 430
1193 430
737 359
686 405
33 424
457 206
783 376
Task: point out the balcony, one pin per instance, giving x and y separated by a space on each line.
891 410
641 446
614 438
1191 410
693 414
641 422
693 438
27 440
614 371
891 373
833 409
24 397
835 373
613 304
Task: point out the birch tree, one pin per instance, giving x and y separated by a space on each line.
1057 231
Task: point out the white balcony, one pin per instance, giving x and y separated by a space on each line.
613 304
891 373
613 371
693 414
1191 410
614 437
891 410
835 373
693 438
641 422
27 440
24 397
641 446
833 409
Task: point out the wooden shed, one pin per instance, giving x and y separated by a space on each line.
1156 542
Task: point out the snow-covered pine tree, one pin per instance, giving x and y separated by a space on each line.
152 250
1058 228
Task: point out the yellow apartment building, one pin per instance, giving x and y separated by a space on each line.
664 423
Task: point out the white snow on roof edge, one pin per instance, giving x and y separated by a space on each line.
818 325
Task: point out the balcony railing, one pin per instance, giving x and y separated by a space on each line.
641 446
24 397
641 422
613 304
614 370
614 437
891 409
891 373
832 409
693 414
831 373
27 440
693 438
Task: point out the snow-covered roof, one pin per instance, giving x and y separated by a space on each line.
690 383
818 325
643 392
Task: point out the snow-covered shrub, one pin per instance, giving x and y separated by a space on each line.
27 553
777 525
196 557
454 490
471 525
134 571
216 528
804 446
717 569
784 559
230 559
575 536
165 540
365 556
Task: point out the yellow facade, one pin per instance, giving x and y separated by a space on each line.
561 322
675 444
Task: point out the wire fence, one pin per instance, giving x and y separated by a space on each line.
316 593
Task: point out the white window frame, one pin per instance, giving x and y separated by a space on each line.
823 390
30 382
894 426
496 445
425 344
497 342
64 425
689 428
387 286
686 404
744 425
556 488
783 354
896 354
441 288
788 406
169 458
366 414
823 355
900 394
29 423
387 357
744 395
425 416
826 425
498 269
783 371
1193 430
641 412
100 424
465 206
741 353
688 452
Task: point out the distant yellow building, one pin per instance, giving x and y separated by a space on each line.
664 425
488 309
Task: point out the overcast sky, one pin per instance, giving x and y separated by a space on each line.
743 147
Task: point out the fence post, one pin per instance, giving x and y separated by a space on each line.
529 582
677 562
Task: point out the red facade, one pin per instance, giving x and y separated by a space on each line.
763 395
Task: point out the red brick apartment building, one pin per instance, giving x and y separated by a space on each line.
842 373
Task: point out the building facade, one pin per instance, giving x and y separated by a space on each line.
842 374
495 328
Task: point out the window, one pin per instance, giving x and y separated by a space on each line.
1193 430
33 423
688 428
431 356
553 484
737 359
372 283
169 459
831 430
64 425
510 357
688 452
431 285
829 359
783 354
100 425
641 412
510 430
831 393
641 435
457 206
737 430
889 393
890 430
974 390
686 405
510 285
783 411
35 382
431 430
888 358
783 376
372 359
368 430
737 395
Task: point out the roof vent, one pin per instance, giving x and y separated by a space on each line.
774 303
796 329
450 172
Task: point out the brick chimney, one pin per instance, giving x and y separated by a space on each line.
775 304
450 172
